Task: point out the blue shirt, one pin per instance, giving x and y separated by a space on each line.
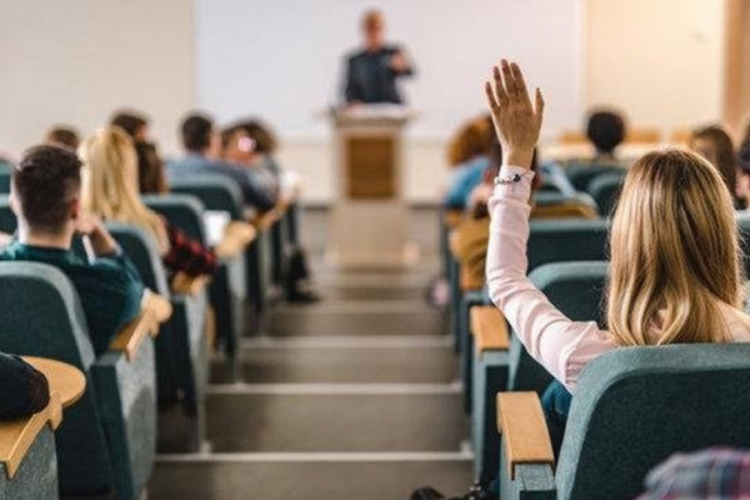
466 177
194 164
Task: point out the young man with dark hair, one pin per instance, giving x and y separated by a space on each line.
606 131
63 135
46 198
202 144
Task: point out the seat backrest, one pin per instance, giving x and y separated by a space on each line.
743 224
182 211
581 175
5 176
42 316
635 407
142 250
577 290
8 222
549 205
605 189
217 192
567 240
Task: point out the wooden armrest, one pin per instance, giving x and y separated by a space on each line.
520 419
17 436
159 308
185 284
489 328
452 218
130 338
268 219
469 282
66 380
237 236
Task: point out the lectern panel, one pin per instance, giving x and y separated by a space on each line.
370 167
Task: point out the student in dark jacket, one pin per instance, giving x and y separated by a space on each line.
23 390
46 198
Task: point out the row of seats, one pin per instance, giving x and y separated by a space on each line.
619 425
110 436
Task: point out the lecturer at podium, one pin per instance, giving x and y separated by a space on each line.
372 72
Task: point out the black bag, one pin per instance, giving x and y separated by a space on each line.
296 276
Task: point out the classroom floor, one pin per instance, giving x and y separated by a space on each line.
352 398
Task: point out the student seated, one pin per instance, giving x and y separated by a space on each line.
606 131
203 147
675 268
239 149
714 144
475 140
46 198
151 175
110 191
674 223
63 135
23 390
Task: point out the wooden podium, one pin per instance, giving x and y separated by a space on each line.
370 219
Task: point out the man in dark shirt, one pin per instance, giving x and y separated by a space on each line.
202 145
45 196
372 73
23 390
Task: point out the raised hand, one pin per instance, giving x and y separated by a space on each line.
517 122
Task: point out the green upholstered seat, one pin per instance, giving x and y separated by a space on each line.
182 346
577 290
605 189
633 408
36 478
565 240
228 292
581 175
107 441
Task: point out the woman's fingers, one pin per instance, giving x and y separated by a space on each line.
502 95
520 83
539 106
491 98
510 83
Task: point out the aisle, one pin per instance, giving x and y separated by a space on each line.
353 398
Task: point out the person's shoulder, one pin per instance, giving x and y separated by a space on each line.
354 55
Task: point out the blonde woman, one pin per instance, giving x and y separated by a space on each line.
110 191
675 273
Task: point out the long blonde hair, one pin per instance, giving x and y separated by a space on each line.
676 263
110 183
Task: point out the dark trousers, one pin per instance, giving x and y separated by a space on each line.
556 405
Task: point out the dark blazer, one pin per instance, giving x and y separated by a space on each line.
370 79
23 390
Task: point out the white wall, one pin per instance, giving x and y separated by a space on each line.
75 61
283 61
661 60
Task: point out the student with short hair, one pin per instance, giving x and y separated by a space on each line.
606 131
110 190
63 135
46 198
23 390
203 147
